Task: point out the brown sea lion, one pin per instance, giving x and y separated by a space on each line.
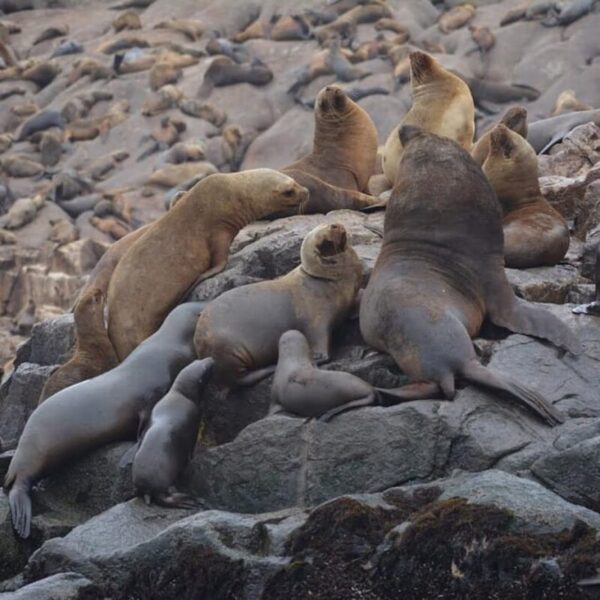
483 37
259 29
93 355
514 118
163 73
51 147
192 29
300 388
535 234
289 28
440 272
62 232
391 24
442 104
42 73
183 152
242 327
17 165
93 413
345 25
112 226
167 97
173 175
168 443
127 20
223 71
187 245
567 102
456 18
89 67
338 169
514 14
203 110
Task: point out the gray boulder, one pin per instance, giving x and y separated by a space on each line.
65 586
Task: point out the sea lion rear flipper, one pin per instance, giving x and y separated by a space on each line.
366 401
421 390
506 310
477 373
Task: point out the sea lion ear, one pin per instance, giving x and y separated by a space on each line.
406 133
500 141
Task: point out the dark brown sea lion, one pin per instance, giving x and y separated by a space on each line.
514 118
440 272
188 244
535 234
343 159
40 122
223 71
168 443
242 327
99 411
300 388
94 354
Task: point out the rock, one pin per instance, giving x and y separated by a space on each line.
19 396
544 284
65 586
52 341
588 263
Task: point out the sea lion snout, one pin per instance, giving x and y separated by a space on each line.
333 241
330 98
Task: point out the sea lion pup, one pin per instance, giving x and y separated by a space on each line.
242 327
440 272
94 354
99 411
535 234
514 118
442 104
300 388
344 152
225 71
543 134
568 102
187 245
127 20
168 443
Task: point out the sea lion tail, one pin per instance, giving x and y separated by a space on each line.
477 373
20 508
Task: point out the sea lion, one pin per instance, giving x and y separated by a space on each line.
174 175
390 24
183 152
187 245
192 29
93 355
224 71
112 226
259 29
163 136
66 48
50 33
242 327
289 28
42 73
483 37
18 165
22 212
50 147
566 12
484 91
338 169
567 102
440 272
163 73
40 122
127 20
300 388
89 67
514 14
99 411
167 97
203 110
221 45
168 443
442 104
456 18
62 232
535 234
514 118
124 43
542 135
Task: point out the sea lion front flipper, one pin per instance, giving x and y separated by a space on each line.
20 509
129 455
366 401
519 316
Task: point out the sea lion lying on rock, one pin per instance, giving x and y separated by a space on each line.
440 272
241 328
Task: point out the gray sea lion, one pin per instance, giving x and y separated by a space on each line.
440 272
223 71
187 245
338 169
66 48
168 442
93 355
99 411
50 33
300 388
40 122
542 135
566 12
51 148
242 327
79 205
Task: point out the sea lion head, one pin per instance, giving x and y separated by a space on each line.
422 67
326 253
511 164
89 306
287 193
332 103
515 118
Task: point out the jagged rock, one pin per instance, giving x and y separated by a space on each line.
52 340
19 396
588 263
544 284
65 586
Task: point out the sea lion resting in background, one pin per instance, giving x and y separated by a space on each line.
440 272
338 169
535 234
442 104
99 411
187 245
167 444
542 135
241 328
94 354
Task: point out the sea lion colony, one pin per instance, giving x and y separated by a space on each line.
457 210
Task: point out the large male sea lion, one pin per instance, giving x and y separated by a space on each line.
94 353
535 234
99 411
338 169
188 244
241 328
167 444
442 104
440 272
299 387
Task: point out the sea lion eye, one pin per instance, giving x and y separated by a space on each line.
288 193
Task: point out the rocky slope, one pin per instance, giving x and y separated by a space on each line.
472 498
